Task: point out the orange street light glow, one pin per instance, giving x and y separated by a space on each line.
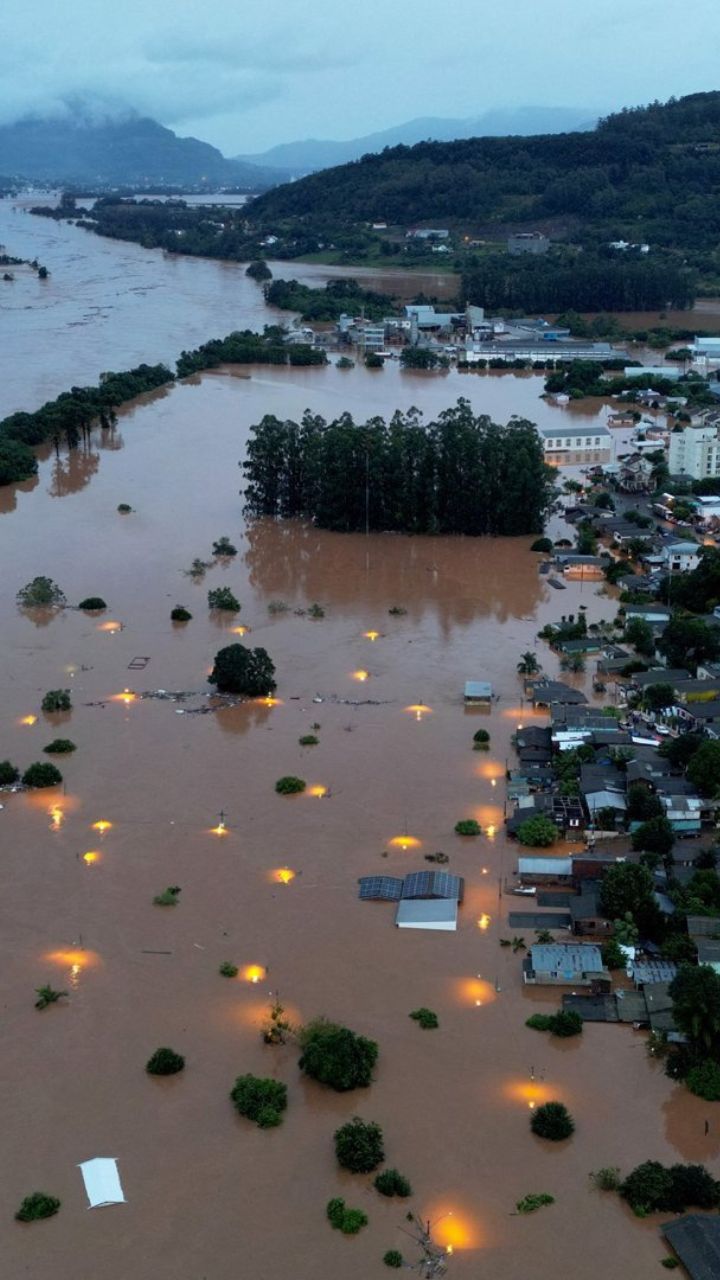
109 626
419 709
484 921
283 875
91 857
73 959
318 791
219 830
360 675
371 635
240 631
269 702
127 696
56 816
28 720
475 992
405 842
102 825
452 1230
253 972
531 1092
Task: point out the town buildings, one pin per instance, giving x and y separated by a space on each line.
695 451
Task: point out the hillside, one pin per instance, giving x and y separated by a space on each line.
650 173
132 151
311 154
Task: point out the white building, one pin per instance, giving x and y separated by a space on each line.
695 451
681 557
571 437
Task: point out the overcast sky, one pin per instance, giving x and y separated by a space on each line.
245 75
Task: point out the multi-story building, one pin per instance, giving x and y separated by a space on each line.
695 451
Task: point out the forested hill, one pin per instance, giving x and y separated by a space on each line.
652 173
133 151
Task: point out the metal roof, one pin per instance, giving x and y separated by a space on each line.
478 689
579 957
433 884
545 866
380 888
653 971
422 913
696 1241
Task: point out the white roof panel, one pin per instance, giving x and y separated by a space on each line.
102 1181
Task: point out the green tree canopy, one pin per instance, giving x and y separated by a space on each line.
540 832
703 769
238 669
695 995
336 1056
687 641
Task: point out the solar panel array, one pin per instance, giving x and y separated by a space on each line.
380 888
433 884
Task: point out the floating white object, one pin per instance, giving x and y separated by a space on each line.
102 1181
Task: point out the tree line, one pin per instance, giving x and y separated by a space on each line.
337 298
72 414
584 282
460 474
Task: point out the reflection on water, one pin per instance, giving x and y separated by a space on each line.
73 472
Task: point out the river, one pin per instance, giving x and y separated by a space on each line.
209 1195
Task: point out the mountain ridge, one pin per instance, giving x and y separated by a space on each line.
311 154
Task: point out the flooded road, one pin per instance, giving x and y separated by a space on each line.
208 1194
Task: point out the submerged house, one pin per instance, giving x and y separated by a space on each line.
570 964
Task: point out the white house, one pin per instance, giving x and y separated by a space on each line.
680 557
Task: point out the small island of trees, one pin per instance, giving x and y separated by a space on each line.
461 474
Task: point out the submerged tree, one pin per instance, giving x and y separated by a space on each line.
41 593
238 669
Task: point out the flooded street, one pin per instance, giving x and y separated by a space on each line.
208 1194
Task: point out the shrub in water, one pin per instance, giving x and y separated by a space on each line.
482 736
468 827
349 1221
228 970
392 1183
42 775
539 1021
124 508
427 1019
8 773
316 611
566 1023
224 547
223 598
59 747
393 1258
336 1056
552 1121
542 544
704 1080
260 1099
359 1145
92 603
308 740
57 700
607 1179
41 592
165 1062
180 614
531 1202
289 785
278 606
46 996
168 897
36 1206
397 611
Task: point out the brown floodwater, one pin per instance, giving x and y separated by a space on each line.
208 1194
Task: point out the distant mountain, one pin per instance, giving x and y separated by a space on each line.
300 158
129 151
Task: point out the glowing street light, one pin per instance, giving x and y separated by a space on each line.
102 825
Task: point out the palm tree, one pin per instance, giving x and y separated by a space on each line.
573 662
528 664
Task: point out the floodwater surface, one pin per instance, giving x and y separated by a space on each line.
270 882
